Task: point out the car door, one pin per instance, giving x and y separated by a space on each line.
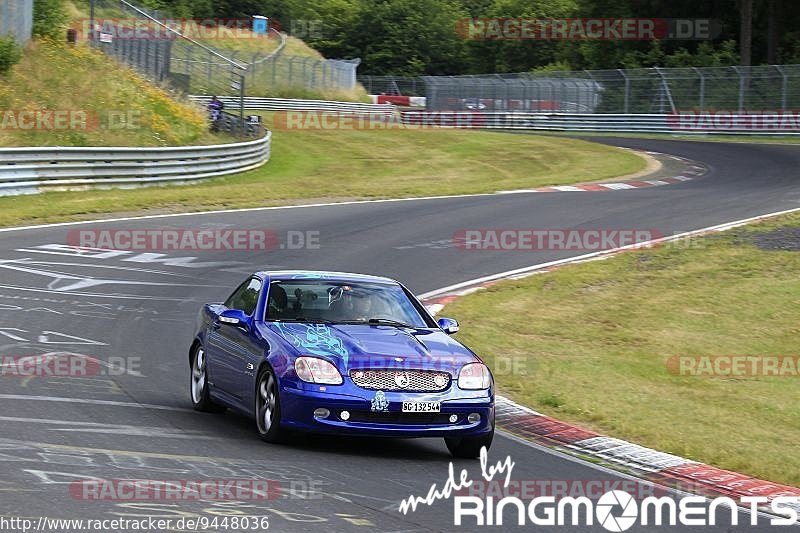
233 345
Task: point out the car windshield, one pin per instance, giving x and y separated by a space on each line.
342 302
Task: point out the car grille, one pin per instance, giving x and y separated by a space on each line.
401 380
402 418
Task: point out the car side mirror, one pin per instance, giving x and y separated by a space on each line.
234 317
448 325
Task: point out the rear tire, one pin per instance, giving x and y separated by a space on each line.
469 447
198 383
268 407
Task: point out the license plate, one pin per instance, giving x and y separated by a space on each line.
422 407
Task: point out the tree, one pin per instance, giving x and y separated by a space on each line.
746 32
409 37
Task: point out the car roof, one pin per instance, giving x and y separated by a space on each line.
285 275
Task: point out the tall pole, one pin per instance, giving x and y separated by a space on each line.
241 104
91 20
746 32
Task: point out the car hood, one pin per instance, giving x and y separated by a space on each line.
362 346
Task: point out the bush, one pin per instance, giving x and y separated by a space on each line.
10 53
50 17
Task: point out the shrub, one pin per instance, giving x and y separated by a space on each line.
10 53
49 18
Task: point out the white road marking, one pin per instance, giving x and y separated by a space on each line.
585 257
616 186
271 208
610 471
517 191
568 188
100 427
245 210
44 337
95 294
80 282
64 399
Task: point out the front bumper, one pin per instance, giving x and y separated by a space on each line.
298 405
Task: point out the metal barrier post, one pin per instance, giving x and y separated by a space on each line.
702 88
627 97
784 86
741 88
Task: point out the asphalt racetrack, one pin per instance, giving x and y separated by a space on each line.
139 311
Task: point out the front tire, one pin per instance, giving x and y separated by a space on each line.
469 447
198 383
268 408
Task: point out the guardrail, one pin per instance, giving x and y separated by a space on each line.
676 124
31 170
285 104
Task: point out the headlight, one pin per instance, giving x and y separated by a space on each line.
316 370
474 376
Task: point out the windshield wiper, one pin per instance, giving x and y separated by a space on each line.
389 322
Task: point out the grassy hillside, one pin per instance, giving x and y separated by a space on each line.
105 103
281 77
288 75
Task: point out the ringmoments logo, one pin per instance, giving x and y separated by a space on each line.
615 510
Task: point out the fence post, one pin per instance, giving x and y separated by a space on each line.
626 105
665 91
702 89
189 63
741 88
92 35
147 66
784 86
208 71
578 91
241 103
306 82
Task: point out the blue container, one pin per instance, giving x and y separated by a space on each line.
260 25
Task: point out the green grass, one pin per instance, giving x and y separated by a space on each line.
122 108
589 344
338 165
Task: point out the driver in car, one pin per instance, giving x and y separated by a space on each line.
278 302
361 305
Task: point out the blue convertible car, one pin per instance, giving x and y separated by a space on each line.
329 352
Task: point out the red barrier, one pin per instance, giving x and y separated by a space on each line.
394 99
